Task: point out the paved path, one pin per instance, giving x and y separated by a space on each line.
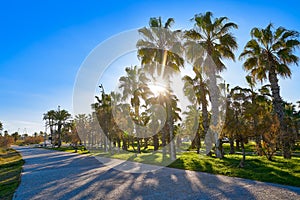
58 175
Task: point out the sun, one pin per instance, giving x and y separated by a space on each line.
157 89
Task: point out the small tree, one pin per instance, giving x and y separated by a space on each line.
6 140
16 136
270 135
1 126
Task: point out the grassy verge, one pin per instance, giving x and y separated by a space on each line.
147 158
258 168
80 150
10 169
280 170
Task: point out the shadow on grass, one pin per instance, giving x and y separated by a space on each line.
257 168
280 171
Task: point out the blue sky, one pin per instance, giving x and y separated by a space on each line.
43 44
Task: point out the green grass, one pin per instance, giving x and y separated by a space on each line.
10 169
147 158
279 170
249 147
80 150
297 148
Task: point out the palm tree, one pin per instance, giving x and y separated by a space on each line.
103 112
192 126
61 117
56 119
161 46
197 91
49 118
268 55
156 123
134 86
82 126
159 52
214 35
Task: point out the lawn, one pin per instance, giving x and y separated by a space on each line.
70 149
279 170
10 169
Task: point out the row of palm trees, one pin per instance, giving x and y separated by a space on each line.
136 115
57 120
267 56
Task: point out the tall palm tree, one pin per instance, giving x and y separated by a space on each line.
103 112
156 122
268 55
197 92
192 126
214 35
160 54
134 86
160 46
82 126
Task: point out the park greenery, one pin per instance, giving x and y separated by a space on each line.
258 138
254 113
259 124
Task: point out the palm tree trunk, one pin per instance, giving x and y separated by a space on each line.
105 143
163 140
231 142
215 114
109 146
155 142
51 131
146 143
198 142
171 131
138 145
257 137
278 107
242 163
137 114
237 144
205 120
124 146
59 126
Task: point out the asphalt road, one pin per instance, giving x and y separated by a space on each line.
58 175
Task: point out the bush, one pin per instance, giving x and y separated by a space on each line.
33 140
6 141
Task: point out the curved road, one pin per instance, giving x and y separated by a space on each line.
58 175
